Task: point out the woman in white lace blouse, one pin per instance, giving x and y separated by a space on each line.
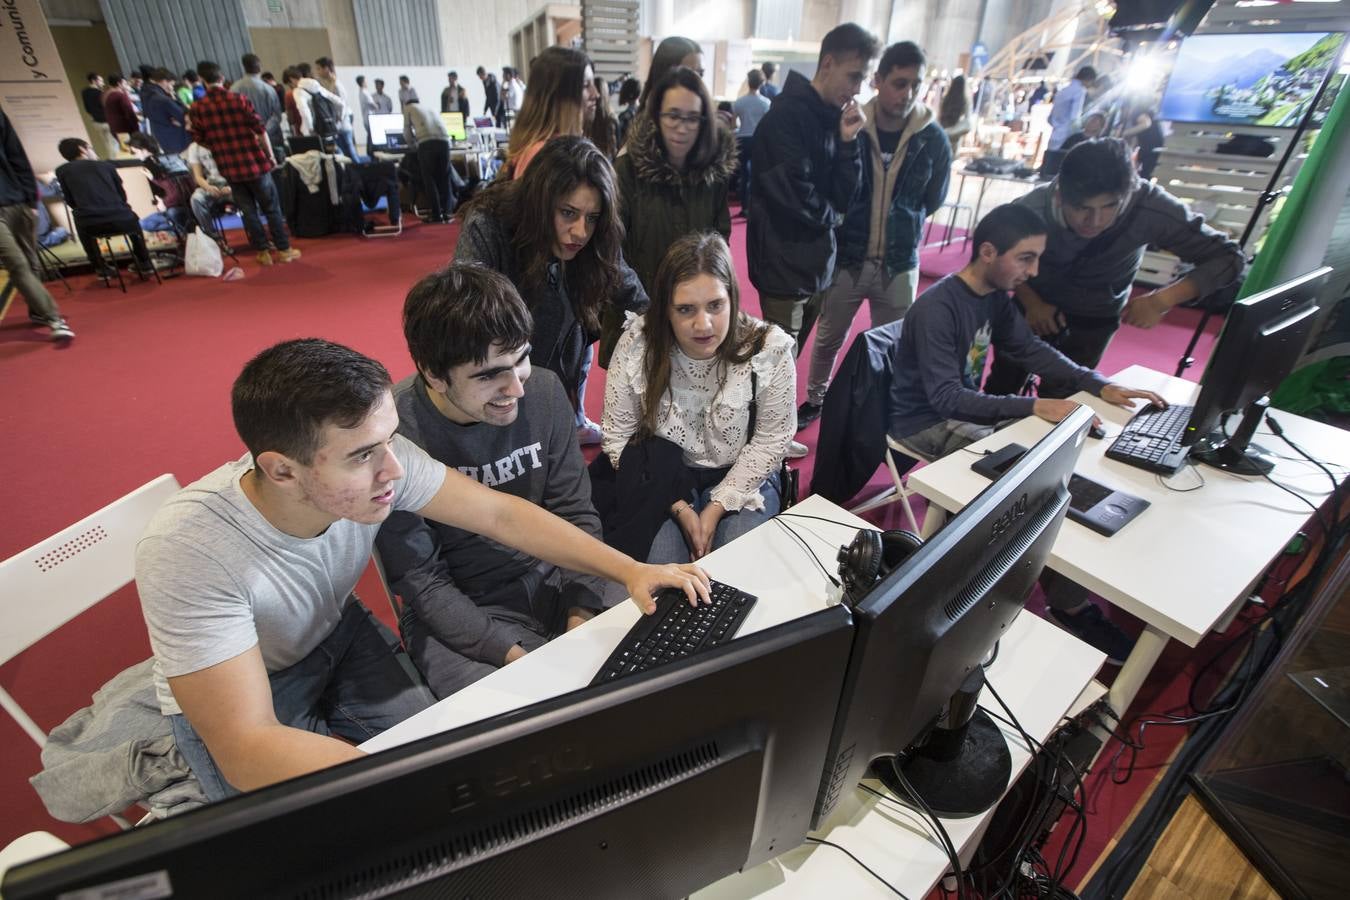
688 372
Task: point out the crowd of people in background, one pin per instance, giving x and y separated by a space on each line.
600 232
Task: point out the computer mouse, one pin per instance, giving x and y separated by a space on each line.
1096 431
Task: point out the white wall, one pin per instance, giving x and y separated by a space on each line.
480 34
293 14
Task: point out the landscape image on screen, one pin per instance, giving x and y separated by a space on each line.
1248 79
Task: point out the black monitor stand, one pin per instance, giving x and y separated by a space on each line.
1237 454
963 767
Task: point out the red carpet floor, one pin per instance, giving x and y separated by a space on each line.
144 389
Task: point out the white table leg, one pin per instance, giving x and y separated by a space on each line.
1137 666
933 519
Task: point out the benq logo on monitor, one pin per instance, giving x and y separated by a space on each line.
1008 519
514 775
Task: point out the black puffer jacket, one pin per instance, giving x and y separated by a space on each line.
560 338
803 180
659 204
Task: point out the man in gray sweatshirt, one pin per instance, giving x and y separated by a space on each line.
1100 218
472 605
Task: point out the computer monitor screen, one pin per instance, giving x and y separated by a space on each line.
1259 79
1262 339
380 125
655 785
926 626
454 123
484 122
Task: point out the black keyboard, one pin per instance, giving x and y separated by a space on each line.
677 630
1152 440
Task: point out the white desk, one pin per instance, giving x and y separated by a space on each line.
771 565
1191 559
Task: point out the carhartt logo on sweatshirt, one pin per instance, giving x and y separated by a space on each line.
508 468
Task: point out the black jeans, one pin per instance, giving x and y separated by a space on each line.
433 157
1084 341
745 146
93 227
249 198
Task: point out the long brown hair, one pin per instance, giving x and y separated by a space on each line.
669 54
525 208
955 103
693 255
603 128
553 104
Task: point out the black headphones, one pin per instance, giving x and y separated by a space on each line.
870 556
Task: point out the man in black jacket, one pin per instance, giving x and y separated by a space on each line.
805 171
18 233
92 97
94 192
492 101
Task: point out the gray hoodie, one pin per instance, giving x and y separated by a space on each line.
1092 277
451 577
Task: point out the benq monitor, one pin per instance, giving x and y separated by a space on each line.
655 785
926 626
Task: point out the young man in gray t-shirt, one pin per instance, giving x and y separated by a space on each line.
472 605
245 577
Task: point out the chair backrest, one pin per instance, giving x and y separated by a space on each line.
54 581
395 601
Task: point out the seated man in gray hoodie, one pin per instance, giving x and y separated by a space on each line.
472 605
1100 217
907 163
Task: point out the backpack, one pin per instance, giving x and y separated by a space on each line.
325 113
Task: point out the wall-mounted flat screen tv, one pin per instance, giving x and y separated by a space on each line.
1249 79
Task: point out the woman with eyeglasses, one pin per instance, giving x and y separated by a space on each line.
673 177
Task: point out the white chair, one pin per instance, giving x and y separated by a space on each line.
898 491
54 581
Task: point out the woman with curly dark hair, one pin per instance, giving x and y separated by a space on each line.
555 232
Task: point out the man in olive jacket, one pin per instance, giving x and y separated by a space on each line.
805 171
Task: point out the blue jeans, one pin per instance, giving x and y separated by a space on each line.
162 221
581 386
351 685
347 146
669 545
249 197
205 207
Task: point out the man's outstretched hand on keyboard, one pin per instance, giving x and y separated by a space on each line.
644 580
1119 395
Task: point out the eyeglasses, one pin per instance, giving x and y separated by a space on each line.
675 120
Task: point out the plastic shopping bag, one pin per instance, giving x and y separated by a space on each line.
202 256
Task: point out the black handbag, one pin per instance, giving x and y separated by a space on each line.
787 476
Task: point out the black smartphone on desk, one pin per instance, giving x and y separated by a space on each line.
1092 504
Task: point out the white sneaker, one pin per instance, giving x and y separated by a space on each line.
796 450
589 434
60 330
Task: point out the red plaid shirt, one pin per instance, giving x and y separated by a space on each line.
226 124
